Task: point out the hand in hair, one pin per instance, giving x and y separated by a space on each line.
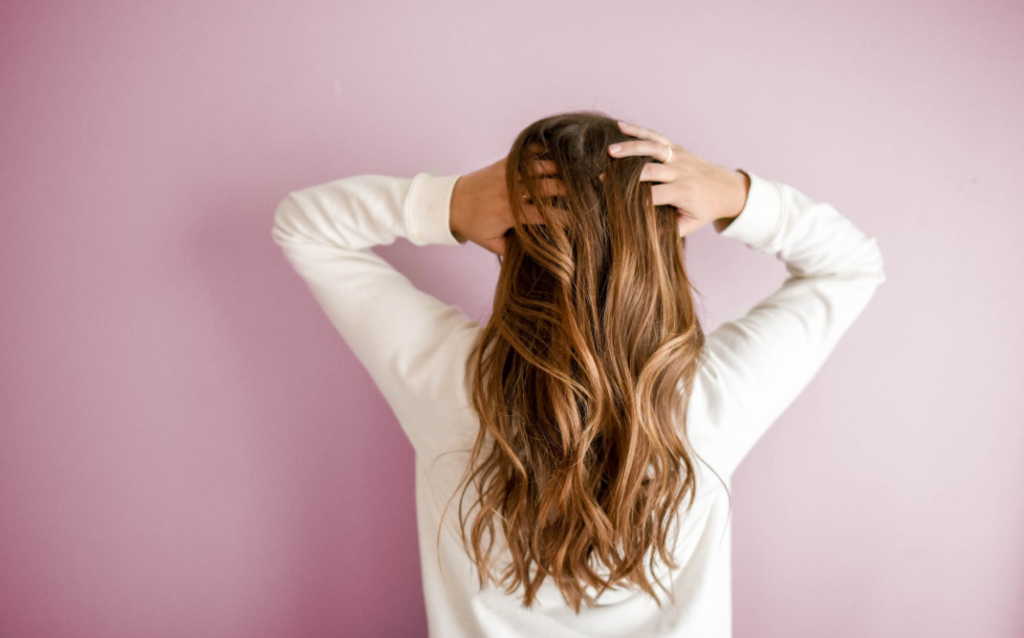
481 210
701 191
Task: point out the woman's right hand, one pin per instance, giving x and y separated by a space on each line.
700 191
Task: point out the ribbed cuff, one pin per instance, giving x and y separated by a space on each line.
428 209
761 215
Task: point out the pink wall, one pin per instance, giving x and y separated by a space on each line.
188 449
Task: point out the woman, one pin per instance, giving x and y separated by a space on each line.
563 450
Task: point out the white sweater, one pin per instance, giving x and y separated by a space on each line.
414 347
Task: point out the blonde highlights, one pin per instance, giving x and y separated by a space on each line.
580 377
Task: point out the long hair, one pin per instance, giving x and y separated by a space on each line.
581 374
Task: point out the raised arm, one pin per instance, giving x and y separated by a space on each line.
400 334
758 364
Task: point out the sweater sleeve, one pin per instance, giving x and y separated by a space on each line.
756 365
399 333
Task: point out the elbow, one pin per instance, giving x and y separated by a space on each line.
866 263
285 216
877 262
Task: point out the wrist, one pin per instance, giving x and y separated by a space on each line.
456 209
737 187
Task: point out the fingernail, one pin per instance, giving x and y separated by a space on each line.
615 148
621 123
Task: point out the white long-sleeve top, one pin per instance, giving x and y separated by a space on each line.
414 347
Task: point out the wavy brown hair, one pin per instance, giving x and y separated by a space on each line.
579 376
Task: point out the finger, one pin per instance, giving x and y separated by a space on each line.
544 179
661 194
548 192
532 213
541 172
543 185
644 133
657 172
688 225
541 167
655 149
550 188
543 189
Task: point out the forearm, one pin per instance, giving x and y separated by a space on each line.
758 363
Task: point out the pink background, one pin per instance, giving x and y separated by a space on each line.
188 449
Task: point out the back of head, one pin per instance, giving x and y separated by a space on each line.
581 374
